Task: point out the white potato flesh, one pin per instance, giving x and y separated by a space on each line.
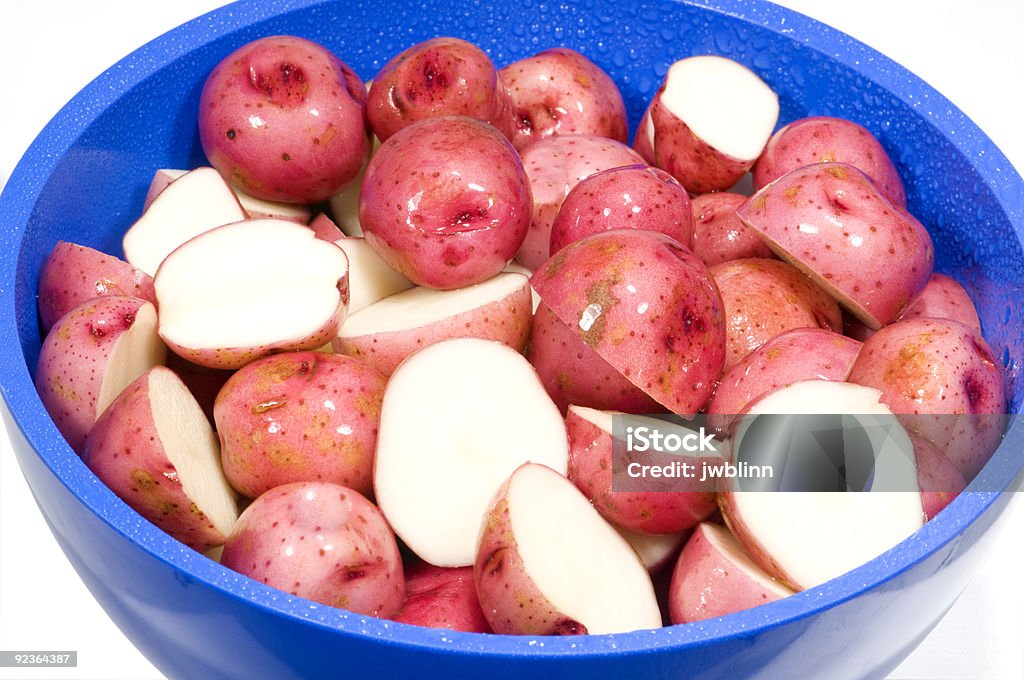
655 550
458 417
723 103
733 553
137 350
605 420
813 537
194 203
370 278
192 448
259 208
419 306
577 559
253 283
517 268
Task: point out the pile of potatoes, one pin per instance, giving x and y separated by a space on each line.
372 354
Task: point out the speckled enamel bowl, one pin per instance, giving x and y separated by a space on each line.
85 178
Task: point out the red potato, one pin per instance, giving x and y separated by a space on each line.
647 306
204 383
73 274
821 139
370 278
855 328
90 355
516 268
299 417
660 509
559 91
437 597
194 203
943 298
344 205
789 357
554 166
943 378
714 577
804 537
161 179
452 429
244 290
549 564
941 481
155 449
573 373
836 225
709 122
323 542
719 235
283 119
656 551
325 229
643 140
763 298
438 77
628 197
445 202
385 333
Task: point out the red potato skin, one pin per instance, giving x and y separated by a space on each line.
642 140
505 320
73 358
554 166
311 137
943 298
573 373
834 223
323 542
125 452
820 139
325 228
707 584
439 77
439 597
422 210
647 306
628 197
511 601
697 165
299 417
789 357
560 91
766 297
718 233
940 481
755 551
73 274
653 512
942 377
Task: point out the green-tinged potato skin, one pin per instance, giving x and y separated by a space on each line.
628 197
283 119
125 451
718 233
442 76
555 165
559 91
506 320
836 225
512 603
573 373
73 360
323 542
766 297
651 512
820 139
942 378
445 202
442 597
299 417
647 306
73 274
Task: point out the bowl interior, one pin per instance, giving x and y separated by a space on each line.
85 178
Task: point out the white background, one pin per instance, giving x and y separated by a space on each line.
972 52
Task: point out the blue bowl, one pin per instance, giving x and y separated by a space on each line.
196 619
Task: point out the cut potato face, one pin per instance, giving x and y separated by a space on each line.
371 279
806 538
246 289
457 418
724 103
195 202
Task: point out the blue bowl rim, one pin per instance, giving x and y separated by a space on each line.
27 412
